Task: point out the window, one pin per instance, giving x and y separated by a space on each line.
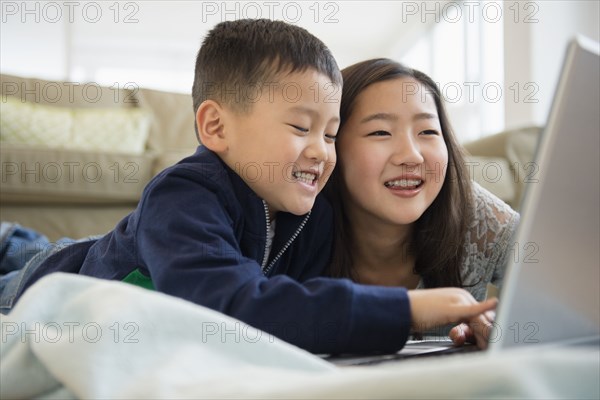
463 53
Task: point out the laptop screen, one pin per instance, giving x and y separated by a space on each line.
551 290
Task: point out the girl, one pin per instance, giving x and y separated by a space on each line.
408 214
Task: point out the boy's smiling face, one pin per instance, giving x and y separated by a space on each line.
283 147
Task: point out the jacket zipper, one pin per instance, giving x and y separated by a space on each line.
267 269
265 254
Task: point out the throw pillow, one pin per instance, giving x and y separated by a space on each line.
112 130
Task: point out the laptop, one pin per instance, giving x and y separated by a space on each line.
551 292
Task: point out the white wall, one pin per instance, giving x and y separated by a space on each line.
536 37
154 43
31 44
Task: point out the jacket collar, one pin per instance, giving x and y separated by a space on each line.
253 208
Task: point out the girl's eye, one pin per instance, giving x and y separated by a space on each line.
379 133
430 132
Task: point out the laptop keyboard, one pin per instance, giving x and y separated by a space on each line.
413 349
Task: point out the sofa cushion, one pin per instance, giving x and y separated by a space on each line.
493 174
29 123
171 131
521 147
172 128
117 130
42 175
67 94
512 149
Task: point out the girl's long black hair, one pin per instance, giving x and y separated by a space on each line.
438 235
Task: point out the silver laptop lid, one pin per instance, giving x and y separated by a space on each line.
552 284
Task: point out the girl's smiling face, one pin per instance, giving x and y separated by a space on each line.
391 153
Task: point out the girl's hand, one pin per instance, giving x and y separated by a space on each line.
437 307
463 333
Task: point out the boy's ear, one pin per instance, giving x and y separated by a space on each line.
211 127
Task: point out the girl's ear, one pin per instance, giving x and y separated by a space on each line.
211 127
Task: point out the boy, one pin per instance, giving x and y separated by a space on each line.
238 226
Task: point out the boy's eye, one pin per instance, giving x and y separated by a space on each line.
331 138
430 132
304 130
379 133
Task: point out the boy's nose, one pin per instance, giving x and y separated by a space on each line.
317 150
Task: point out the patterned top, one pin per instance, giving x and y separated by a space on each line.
488 243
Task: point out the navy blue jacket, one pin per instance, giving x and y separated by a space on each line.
199 233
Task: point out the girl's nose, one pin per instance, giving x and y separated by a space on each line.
406 151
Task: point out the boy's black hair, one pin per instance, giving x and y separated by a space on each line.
238 57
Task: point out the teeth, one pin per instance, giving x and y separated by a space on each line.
305 177
404 183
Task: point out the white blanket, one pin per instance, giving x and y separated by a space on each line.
79 337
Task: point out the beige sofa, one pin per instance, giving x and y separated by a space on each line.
81 191
503 163
65 186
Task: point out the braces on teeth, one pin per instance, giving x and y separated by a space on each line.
404 183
